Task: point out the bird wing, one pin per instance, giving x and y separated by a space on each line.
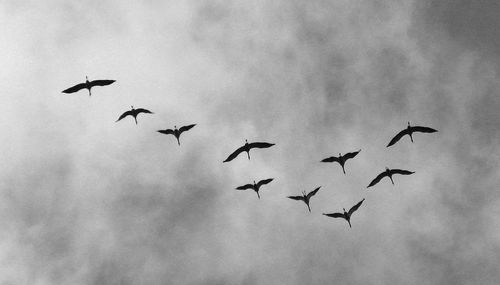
313 192
101 82
265 181
234 154
124 115
334 215
296 197
398 137
350 155
141 110
186 128
423 129
260 145
75 88
245 187
167 131
401 171
377 179
331 159
355 207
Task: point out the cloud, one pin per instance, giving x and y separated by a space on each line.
86 200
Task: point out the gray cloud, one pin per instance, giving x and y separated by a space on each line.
85 200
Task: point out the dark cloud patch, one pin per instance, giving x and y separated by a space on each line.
474 24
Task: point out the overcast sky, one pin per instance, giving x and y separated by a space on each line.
85 200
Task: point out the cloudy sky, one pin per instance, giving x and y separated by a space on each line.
85 200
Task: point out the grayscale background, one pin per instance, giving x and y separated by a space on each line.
85 200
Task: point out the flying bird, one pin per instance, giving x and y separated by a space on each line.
247 148
389 172
409 131
305 197
346 215
341 159
88 85
255 186
177 132
134 113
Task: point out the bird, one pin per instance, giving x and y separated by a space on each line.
134 113
389 172
88 85
409 131
255 186
346 215
177 132
341 159
305 197
247 148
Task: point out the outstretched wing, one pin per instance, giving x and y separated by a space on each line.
141 110
398 137
331 159
300 198
101 82
401 171
334 215
124 115
245 187
75 88
234 154
350 155
355 207
186 128
313 192
263 182
423 129
260 145
167 131
377 179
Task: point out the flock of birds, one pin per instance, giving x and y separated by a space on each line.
305 197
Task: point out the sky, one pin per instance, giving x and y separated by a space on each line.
87 200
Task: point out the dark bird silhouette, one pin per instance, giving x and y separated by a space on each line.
247 147
409 131
389 172
177 132
255 186
134 113
346 215
88 85
341 159
305 197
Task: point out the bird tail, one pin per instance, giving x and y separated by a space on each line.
178 142
248 154
392 181
309 208
343 169
135 118
349 223
258 195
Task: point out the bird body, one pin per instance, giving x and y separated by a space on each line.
134 112
341 159
346 215
246 148
389 172
88 85
177 132
305 197
409 131
255 186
